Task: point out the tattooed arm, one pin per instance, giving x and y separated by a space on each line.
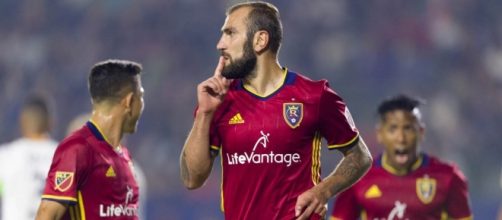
355 163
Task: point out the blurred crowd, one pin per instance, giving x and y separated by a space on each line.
449 52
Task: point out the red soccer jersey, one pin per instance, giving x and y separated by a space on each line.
270 146
433 190
92 178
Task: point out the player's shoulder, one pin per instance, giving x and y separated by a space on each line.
77 140
441 165
436 162
17 146
301 79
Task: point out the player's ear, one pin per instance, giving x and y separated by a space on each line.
260 41
421 132
127 101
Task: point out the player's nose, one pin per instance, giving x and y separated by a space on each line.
221 45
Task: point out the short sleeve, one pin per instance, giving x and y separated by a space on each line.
214 140
336 123
457 205
345 206
67 172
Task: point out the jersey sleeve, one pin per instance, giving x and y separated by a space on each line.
67 172
458 206
345 206
214 140
336 123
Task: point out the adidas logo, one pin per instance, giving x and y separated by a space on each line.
237 119
373 192
110 172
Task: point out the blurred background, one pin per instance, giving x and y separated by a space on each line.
448 52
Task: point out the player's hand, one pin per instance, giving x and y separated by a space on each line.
211 92
309 202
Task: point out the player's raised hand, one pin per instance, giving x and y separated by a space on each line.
310 202
211 92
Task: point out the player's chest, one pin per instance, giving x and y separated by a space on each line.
246 122
391 195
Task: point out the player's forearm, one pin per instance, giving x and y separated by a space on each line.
195 159
50 210
353 166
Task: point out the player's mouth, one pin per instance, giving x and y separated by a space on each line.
402 156
226 56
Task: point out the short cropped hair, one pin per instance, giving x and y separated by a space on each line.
399 102
111 80
263 16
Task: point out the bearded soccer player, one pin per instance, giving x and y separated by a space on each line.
405 183
267 123
91 176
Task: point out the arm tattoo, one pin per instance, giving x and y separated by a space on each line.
348 167
352 167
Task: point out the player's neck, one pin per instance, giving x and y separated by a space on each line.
110 126
268 77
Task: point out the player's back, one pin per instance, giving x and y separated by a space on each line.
95 180
24 163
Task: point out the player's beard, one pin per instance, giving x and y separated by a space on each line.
242 67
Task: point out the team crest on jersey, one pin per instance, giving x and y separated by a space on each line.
63 180
426 189
293 114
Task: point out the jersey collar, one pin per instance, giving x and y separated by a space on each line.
97 131
422 159
288 78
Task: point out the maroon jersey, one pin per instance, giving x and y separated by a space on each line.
433 190
270 146
96 181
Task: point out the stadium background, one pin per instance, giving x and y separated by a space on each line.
447 51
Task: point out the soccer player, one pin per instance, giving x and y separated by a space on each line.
267 123
139 174
91 176
405 183
24 163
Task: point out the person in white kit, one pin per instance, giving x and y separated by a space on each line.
24 162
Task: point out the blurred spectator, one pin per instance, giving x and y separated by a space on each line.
25 161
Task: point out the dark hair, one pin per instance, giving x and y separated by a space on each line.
38 106
263 16
399 102
112 79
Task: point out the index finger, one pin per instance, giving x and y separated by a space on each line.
219 67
